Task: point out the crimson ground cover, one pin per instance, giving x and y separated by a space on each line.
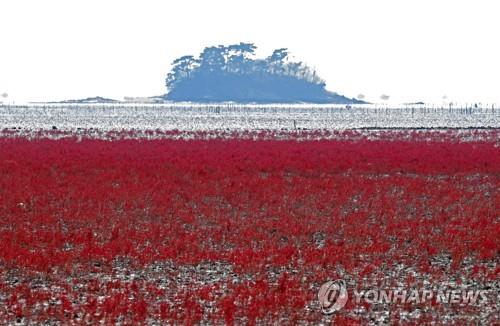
245 231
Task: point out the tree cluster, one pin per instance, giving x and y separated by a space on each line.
238 59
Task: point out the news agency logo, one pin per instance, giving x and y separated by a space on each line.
332 296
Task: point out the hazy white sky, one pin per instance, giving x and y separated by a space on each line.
411 50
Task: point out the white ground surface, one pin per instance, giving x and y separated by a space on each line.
192 117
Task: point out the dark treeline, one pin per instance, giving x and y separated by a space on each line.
232 73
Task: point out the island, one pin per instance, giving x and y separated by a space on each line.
233 74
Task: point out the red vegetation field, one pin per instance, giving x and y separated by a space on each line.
244 231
